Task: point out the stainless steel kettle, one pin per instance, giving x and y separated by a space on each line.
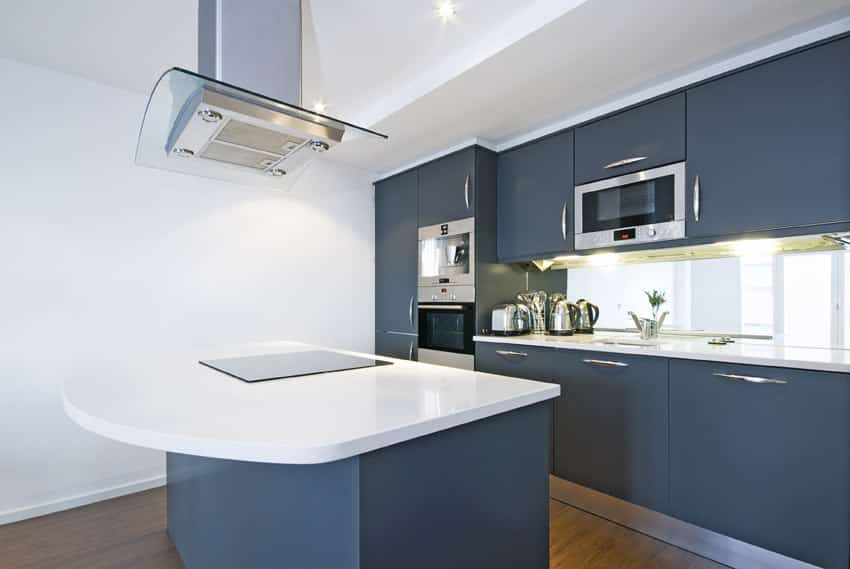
587 315
562 316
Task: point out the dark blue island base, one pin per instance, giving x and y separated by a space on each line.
475 496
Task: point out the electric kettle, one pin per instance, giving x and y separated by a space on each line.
587 315
562 317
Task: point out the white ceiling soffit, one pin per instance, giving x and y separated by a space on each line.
602 52
120 43
389 53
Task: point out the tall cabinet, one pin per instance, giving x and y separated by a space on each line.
396 236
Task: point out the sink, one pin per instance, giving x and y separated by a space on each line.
626 342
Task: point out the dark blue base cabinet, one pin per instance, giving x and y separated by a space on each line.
764 463
473 496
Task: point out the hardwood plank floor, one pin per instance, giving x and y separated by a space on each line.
129 533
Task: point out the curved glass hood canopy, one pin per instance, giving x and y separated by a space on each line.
204 127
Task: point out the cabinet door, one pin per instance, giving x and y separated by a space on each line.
612 428
394 345
766 463
535 199
396 242
643 137
526 362
447 188
770 144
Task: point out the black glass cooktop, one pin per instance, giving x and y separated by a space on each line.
293 364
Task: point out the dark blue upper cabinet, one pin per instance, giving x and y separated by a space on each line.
771 145
766 463
396 243
535 199
447 188
643 137
611 426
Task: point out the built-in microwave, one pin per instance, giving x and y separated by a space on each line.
642 207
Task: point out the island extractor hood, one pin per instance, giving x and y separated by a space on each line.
240 119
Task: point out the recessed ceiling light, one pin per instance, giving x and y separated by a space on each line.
446 11
319 107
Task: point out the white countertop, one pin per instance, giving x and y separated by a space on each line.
172 403
755 352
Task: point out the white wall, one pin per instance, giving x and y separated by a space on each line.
104 259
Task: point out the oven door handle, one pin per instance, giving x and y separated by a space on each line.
441 306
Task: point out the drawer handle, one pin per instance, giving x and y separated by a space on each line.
625 162
749 379
606 363
512 354
466 191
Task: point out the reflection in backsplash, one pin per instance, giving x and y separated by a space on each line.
800 299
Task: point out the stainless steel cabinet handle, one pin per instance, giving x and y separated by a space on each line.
606 363
466 191
410 312
510 353
748 378
696 199
441 306
624 162
564 221
410 351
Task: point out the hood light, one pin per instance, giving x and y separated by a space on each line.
209 115
318 146
277 172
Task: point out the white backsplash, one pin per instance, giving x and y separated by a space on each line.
800 299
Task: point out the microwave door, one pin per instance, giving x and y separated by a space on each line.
635 208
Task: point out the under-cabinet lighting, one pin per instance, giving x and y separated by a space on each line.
750 247
320 107
739 248
603 259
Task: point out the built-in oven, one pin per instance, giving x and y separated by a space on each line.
641 207
445 333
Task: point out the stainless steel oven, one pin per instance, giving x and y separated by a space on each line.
446 329
641 207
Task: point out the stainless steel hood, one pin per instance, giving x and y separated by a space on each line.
209 127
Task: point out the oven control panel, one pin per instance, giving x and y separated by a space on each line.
453 293
631 235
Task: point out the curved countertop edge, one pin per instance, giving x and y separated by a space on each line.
241 451
669 350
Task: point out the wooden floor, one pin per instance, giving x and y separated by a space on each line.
129 533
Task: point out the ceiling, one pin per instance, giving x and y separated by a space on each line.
500 69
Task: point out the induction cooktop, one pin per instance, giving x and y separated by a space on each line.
292 364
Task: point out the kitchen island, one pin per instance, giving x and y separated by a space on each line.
402 465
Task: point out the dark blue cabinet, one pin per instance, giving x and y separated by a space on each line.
447 188
535 199
539 364
636 139
771 145
396 242
766 463
396 345
611 432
